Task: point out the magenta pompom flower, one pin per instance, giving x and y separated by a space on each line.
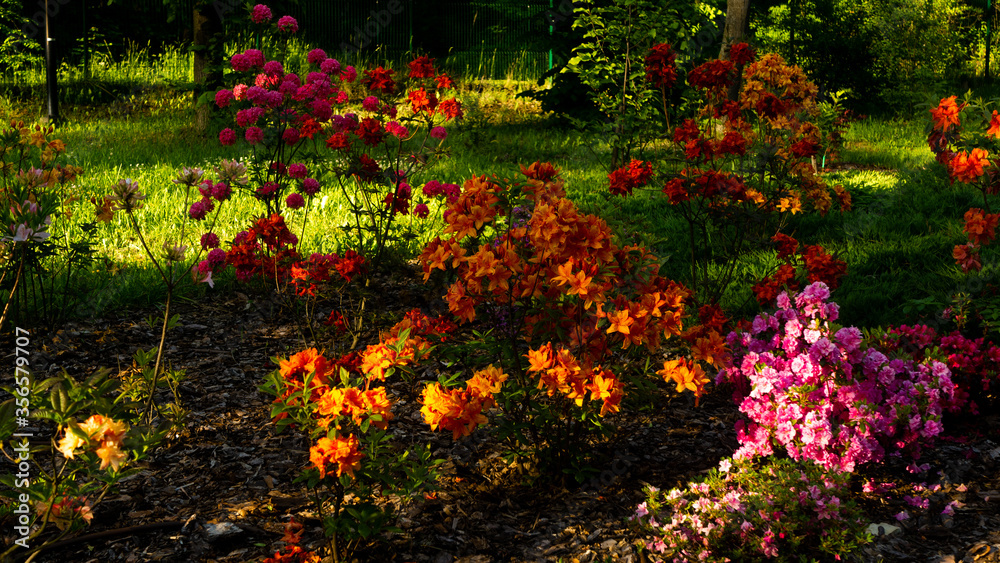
223 97
330 66
421 210
316 56
198 210
288 24
290 136
295 201
297 170
227 137
370 104
209 240
439 133
216 257
240 62
254 135
310 186
261 14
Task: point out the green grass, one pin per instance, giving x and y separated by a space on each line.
897 239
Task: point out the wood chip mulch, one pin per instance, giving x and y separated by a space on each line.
221 489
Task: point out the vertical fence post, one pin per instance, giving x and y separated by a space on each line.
551 32
989 36
51 88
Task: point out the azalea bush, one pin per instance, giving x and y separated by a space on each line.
745 165
35 196
974 363
97 438
566 298
174 264
964 148
814 391
342 405
774 509
304 129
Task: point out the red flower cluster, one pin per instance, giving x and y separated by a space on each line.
272 259
421 67
741 53
713 75
319 268
661 71
636 174
380 80
817 263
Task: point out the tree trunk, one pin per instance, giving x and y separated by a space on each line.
207 60
736 27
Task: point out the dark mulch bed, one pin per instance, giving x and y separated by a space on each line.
221 489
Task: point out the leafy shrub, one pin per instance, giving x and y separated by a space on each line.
752 510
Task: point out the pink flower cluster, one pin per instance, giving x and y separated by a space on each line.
744 513
823 396
974 363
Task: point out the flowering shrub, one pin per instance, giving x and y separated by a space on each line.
812 260
522 252
92 447
372 148
958 146
743 511
731 202
818 393
33 192
344 409
974 363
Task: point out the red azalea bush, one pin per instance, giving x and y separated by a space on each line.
745 166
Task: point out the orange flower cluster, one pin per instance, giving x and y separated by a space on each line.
461 410
293 554
342 452
559 371
946 114
558 262
99 434
980 227
817 263
687 375
967 167
788 84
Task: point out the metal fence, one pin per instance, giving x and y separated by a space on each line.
498 32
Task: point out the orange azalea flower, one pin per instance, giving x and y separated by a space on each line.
994 128
460 303
486 383
968 167
293 531
302 364
946 114
341 451
377 403
451 409
686 374
376 359
606 387
967 256
981 227
341 401
620 322
111 455
710 349
540 359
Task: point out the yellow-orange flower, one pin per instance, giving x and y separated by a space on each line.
486 383
711 349
451 409
342 451
606 387
302 364
687 375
